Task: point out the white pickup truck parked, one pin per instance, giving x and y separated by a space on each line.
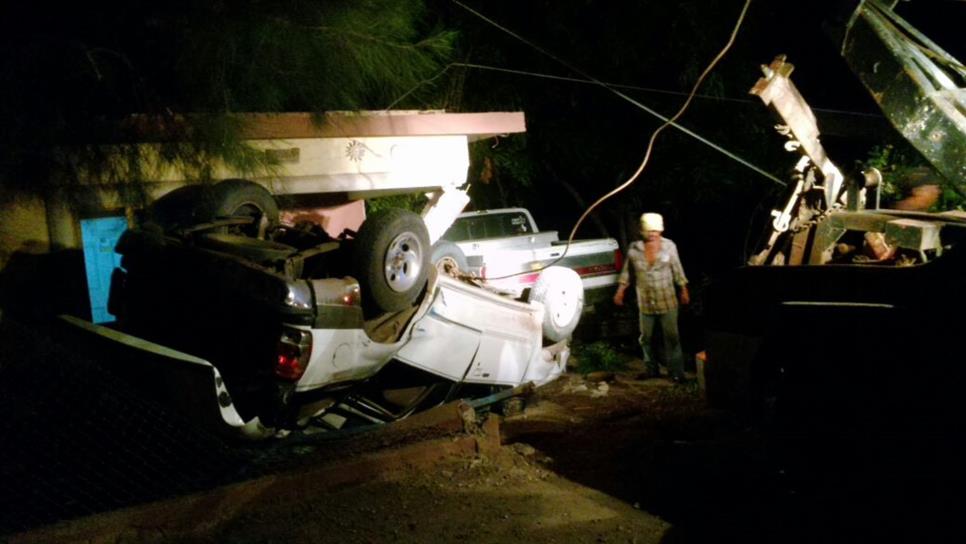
505 247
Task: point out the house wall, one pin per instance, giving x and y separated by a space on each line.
23 227
333 219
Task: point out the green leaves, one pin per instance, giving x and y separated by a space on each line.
308 56
599 355
902 168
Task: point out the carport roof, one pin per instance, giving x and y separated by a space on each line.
379 123
339 124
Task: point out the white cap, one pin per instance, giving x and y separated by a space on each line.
652 221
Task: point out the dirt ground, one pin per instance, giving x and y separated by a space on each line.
607 458
616 459
553 481
507 497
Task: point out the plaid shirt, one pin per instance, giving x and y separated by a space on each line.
655 282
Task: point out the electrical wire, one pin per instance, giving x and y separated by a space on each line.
420 84
653 90
730 154
668 122
650 146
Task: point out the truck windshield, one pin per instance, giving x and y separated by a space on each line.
481 227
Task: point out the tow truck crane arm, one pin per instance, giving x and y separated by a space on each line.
920 88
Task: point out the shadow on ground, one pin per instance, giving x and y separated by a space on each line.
715 479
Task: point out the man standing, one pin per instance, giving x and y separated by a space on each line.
657 270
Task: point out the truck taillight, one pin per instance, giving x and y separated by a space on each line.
351 296
336 292
618 259
292 354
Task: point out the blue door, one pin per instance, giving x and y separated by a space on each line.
99 237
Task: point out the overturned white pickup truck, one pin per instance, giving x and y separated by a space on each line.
297 325
293 346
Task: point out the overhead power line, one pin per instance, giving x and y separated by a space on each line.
637 103
667 121
653 90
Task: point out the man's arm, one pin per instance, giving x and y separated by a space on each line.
619 295
623 281
684 295
679 278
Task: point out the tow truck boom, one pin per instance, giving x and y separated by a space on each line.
919 87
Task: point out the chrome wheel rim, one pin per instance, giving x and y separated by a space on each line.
403 262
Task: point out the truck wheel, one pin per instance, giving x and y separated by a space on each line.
391 259
180 208
192 204
561 292
448 258
243 198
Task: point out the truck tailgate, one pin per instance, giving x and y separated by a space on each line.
183 382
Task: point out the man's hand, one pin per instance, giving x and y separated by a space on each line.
619 295
685 295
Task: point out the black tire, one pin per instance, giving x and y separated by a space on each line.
448 258
561 292
181 208
193 204
243 198
391 259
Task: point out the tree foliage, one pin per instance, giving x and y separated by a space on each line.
902 167
75 71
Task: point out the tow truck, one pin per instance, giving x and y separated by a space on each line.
847 314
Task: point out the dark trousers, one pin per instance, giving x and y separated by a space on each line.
672 342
